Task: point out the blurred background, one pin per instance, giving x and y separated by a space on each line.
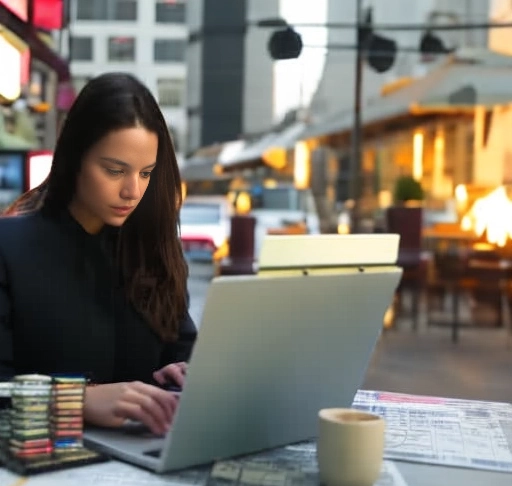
294 117
260 97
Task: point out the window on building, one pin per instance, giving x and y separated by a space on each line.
121 49
122 10
169 50
170 11
79 82
81 48
171 92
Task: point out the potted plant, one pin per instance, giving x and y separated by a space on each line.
405 216
407 189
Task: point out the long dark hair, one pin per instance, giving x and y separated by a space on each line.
149 255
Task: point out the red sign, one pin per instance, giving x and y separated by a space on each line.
48 14
18 7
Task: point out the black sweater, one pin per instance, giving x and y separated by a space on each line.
62 310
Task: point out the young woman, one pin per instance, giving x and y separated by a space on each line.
92 275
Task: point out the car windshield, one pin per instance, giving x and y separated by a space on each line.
200 213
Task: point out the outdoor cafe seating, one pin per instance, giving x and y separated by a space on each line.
460 280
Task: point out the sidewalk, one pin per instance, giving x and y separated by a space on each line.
426 362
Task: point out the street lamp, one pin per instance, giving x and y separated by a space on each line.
285 44
377 51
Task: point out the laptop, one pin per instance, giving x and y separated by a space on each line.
272 350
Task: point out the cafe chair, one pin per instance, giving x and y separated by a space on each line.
407 222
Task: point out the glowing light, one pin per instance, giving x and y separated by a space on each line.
301 170
461 193
275 157
491 215
461 199
10 80
243 203
417 156
270 183
344 223
39 168
385 199
389 317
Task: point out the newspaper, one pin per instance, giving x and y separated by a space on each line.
443 431
289 466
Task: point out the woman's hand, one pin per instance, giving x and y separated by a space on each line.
111 404
174 372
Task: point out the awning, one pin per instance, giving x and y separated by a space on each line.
466 79
201 165
201 169
251 153
466 85
38 48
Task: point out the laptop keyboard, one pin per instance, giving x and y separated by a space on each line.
135 428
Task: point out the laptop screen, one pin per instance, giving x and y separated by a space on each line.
287 252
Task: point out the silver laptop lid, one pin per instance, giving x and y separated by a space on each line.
270 353
313 251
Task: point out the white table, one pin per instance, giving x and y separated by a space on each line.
416 426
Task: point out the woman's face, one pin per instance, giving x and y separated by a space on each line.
113 178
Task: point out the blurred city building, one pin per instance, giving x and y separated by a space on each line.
493 150
336 89
35 91
437 118
230 82
440 119
33 76
147 38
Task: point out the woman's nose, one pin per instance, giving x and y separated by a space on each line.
131 189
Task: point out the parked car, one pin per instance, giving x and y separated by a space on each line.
205 227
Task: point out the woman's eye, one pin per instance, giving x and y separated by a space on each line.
145 175
114 172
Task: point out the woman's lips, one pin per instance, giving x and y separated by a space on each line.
122 210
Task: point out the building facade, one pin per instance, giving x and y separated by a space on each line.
31 79
335 92
493 145
147 38
434 143
230 73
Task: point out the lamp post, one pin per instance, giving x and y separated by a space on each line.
355 164
373 49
